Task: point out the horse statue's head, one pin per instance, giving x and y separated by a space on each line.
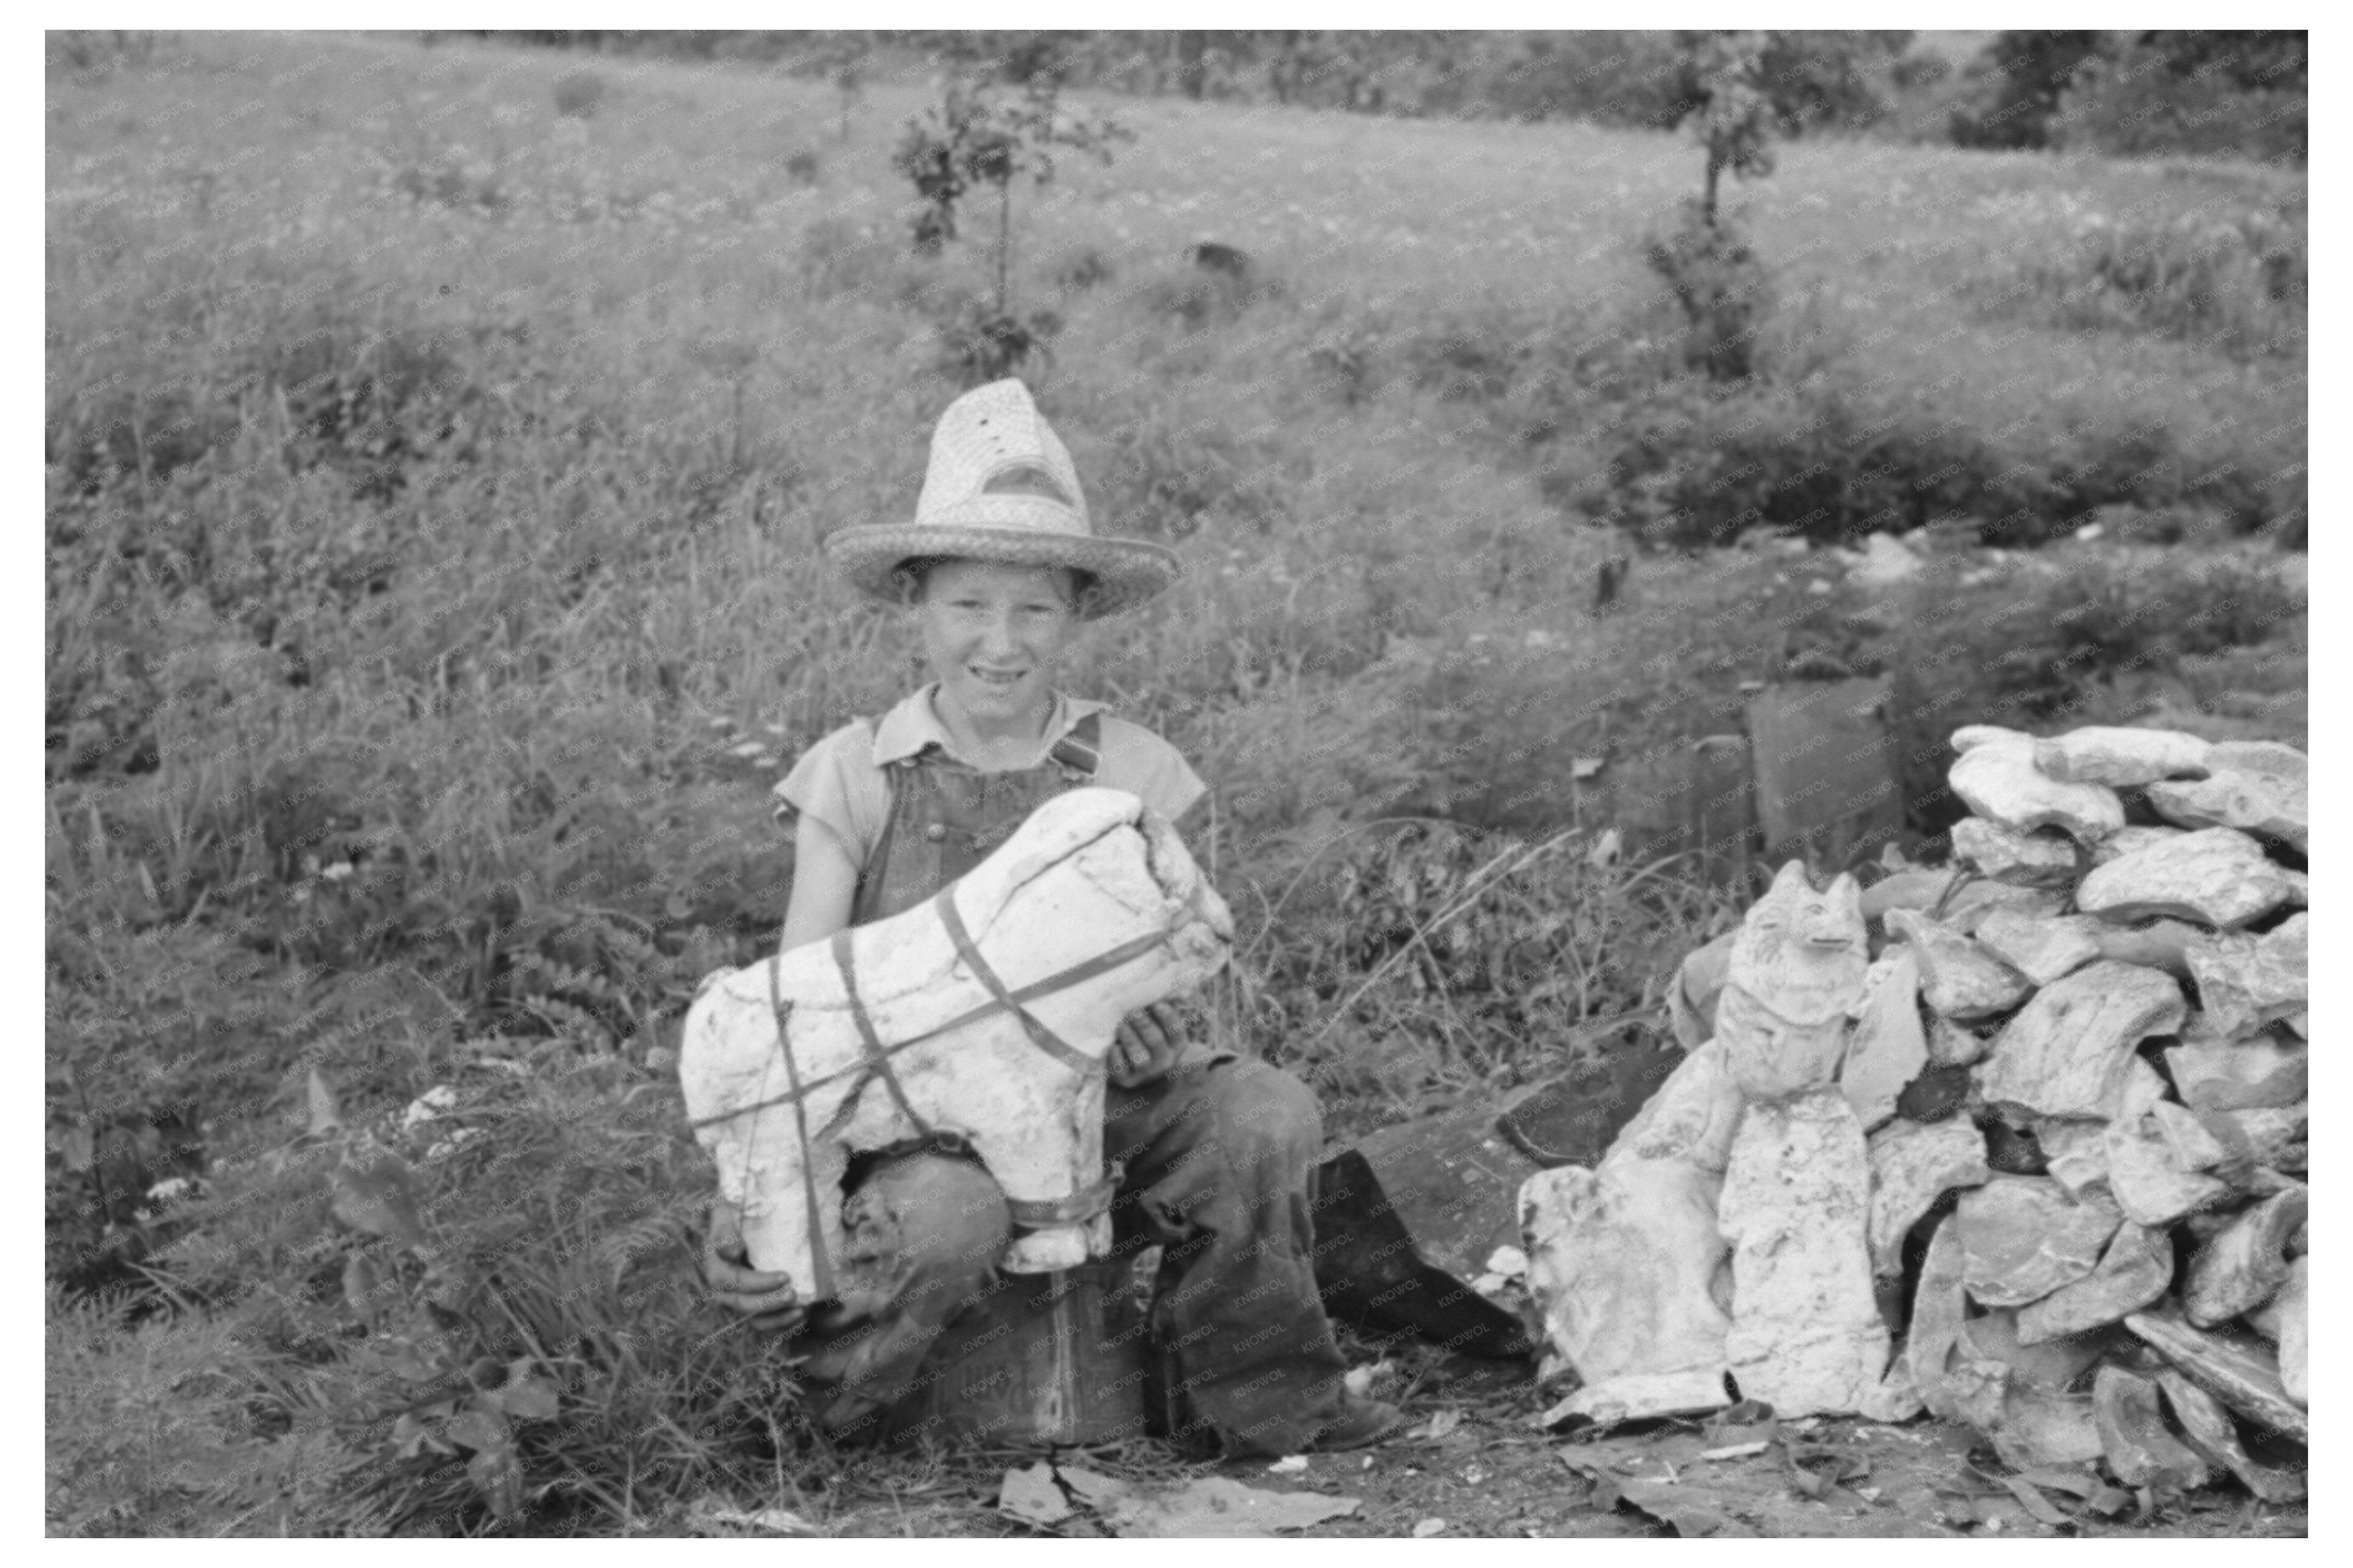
985 1013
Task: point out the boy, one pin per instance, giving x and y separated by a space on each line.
998 569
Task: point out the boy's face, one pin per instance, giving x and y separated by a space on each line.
995 633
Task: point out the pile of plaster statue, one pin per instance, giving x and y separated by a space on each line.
2019 1141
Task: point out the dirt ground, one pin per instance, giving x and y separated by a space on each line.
1474 1464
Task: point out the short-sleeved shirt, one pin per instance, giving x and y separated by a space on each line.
841 781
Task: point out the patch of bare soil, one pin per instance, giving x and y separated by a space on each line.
1473 1464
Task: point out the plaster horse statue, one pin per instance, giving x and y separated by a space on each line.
984 1014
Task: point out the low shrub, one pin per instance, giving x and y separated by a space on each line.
980 345
1200 297
580 94
2135 104
1087 269
2241 285
1169 476
471 1310
1722 287
1410 958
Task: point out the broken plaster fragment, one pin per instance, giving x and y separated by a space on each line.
1622 1264
2140 1451
2234 1366
1806 1337
2024 1237
2066 1052
1960 978
1913 1166
2135 1270
2121 758
1999 781
2216 877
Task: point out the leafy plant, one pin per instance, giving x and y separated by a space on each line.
969 141
426 1312
580 94
1423 954
1722 286
1735 118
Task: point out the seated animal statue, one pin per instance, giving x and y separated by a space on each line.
980 1016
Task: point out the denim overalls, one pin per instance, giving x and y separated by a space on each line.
1215 1156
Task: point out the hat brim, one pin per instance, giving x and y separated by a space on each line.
1126 571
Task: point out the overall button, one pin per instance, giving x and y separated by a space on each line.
936 831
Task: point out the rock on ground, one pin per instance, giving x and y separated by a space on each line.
2236 1369
1940 1305
1951 1046
2245 982
2268 805
2043 948
2293 1306
2050 1362
2193 1145
1981 898
2150 1183
2023 1237
2136 1269
2140 1451
1913 1166
1623 1263
2215 1438
2044 859
2273 757
2121 758
2217 875
2040 1425
2254 1074
2273 1135
2128 840
2066 1052
1807 1336
2159 944
2245 1264
1691 1116
2074 1153
1998 781
1959 979
1969 737
1888 1048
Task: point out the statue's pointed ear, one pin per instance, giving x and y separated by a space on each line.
1792 874
1846 893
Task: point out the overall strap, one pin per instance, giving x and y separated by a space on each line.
1079 751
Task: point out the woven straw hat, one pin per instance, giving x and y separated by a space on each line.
990 494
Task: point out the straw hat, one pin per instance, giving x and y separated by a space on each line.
991 494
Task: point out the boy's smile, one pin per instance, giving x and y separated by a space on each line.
993 636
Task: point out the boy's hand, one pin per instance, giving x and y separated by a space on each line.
768 1300
1147 1045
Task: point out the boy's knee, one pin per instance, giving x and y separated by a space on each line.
1261 1108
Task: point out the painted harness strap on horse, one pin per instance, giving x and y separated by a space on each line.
984 1013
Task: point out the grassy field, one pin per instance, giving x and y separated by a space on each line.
438 441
